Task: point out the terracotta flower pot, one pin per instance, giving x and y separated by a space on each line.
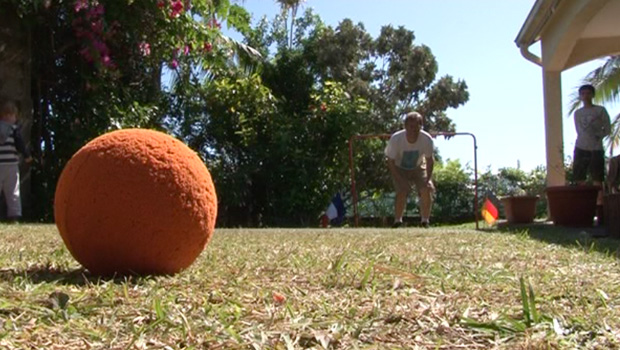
520 209
572 206
612 214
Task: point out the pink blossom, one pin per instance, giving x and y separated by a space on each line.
186 50
94 12
173 64
145 48
107 61
101 47
177 8
208 47
97 26
79 5
98 10
214 23
161 4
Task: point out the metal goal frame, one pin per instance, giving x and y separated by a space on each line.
387 136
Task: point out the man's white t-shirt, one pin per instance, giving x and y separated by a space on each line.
407 155
592 124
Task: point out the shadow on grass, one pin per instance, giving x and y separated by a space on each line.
75 277
588 238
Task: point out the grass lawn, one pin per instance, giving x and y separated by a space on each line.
442 288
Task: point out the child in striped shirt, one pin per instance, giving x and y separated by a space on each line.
11 145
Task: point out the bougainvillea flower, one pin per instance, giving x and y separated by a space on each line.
107 61
80 5
177 8
145 48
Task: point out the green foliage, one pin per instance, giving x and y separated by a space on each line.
282 158
509 326
97 66
274 132
455 191
277 168
514 182
393 73
454 199
387 76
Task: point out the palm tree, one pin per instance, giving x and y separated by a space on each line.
606 81
293 6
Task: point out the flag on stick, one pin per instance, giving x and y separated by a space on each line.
335 212
489 212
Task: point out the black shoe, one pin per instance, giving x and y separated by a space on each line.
397 224
425 224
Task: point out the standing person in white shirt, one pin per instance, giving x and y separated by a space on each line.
410 161
11 146
593 125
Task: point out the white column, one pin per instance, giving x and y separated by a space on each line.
552 87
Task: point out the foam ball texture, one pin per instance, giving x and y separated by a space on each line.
135 201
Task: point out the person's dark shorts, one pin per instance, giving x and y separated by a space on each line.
588 161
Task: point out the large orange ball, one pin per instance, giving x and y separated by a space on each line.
135 201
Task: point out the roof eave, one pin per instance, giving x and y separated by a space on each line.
535 22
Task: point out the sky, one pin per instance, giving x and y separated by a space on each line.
473 41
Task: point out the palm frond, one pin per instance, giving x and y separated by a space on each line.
574 102
287 4
292 5
203 72
606 81
173 79
248 58
614 138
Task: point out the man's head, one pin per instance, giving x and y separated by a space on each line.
8 112
586 93
413 123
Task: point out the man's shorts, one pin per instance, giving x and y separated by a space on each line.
417 177
588 161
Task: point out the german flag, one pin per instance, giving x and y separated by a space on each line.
489 212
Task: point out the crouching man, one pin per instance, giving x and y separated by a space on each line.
410 162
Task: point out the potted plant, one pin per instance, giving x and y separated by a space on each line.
519 206
572 205
518 192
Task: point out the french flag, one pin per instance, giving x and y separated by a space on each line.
335 212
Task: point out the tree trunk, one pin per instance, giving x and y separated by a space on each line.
15 74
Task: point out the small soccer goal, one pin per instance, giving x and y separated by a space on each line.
372 195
